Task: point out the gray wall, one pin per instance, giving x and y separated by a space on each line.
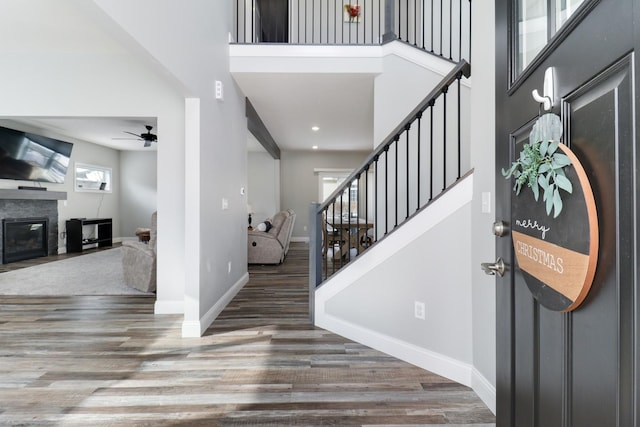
435 274
263 185
79 204
482 157
138 190
299 183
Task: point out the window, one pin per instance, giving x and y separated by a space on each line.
536 22
92 178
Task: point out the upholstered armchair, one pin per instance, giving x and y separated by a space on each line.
271 247
139 261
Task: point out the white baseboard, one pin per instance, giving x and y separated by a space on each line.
484 389
437 363
195 328
169 307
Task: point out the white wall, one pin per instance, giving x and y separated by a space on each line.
138 190
214 152
408 76
483 160
427 260
263 185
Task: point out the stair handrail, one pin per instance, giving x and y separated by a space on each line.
462 69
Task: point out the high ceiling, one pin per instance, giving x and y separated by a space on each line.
340 104
108 131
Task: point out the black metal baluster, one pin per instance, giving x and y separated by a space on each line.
253 7
386 189
441 29
431 105
407 171
400 19
358 214
407 15
395 220
459 77
415 22
376 197
419 162
325 236
444 137
335 24
380 30
432 18
460 36
349 222
358 22
366 205
342 23
450 28
470 10
423 24
341 227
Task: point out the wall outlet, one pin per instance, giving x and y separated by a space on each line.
225 204
419 310
229 267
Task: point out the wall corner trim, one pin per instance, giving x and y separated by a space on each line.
440 364
169 307
484 389
195 328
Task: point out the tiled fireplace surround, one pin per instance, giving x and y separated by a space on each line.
31 204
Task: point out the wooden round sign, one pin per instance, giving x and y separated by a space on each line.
558 256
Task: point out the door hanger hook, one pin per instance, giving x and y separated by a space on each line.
547 99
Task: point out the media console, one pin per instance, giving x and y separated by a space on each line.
103 234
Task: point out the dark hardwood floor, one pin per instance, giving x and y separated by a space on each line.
109 361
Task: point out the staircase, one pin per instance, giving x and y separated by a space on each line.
397 220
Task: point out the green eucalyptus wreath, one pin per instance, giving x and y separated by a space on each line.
540 166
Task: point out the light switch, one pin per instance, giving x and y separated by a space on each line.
225 204
486 202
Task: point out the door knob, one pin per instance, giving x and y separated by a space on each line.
495 267
500 228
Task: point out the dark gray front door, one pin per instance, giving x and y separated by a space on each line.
577 368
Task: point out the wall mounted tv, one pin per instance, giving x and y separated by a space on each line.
30 157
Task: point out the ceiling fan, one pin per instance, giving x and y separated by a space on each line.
147 137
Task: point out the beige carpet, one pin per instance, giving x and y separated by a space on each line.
98 273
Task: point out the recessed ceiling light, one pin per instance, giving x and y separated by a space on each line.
315 147
315 128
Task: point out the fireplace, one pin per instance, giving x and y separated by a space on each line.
24 238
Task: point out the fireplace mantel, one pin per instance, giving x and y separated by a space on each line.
11 194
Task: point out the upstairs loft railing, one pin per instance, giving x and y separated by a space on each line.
418 161
440 27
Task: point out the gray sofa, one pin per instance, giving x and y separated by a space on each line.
139 261
271 247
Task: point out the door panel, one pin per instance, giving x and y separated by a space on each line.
575 368
594 137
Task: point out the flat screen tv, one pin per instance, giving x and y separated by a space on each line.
30 157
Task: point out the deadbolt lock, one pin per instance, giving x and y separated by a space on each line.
500 228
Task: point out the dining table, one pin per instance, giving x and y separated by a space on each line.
352 231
